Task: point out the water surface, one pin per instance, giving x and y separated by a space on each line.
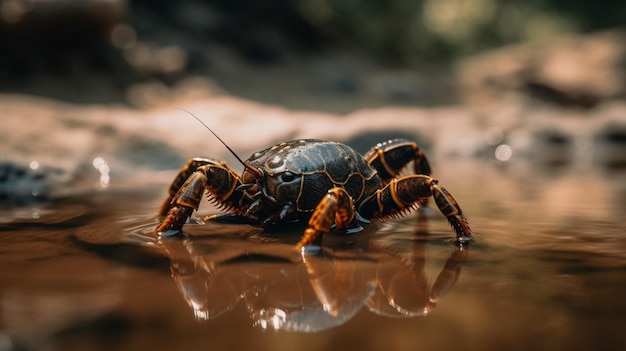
547 271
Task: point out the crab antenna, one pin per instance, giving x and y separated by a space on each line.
255 172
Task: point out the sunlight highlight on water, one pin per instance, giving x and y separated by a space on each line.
503 152
101 165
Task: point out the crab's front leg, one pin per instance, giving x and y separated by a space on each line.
336 207
403 194
199 175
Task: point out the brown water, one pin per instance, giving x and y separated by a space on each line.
547 271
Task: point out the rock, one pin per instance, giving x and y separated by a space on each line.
575 71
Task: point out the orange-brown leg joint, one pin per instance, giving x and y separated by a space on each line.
174 219
179 180
451 209
344 216
184 202
335 207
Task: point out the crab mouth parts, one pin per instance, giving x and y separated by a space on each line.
264 206
261 202
265 209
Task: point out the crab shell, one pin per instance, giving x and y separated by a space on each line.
300 172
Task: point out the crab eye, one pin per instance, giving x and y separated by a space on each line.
287 177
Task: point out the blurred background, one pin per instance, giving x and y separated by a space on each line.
328 55
542 75
519 106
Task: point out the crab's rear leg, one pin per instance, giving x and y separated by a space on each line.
390 157
403 194
189 186
336 207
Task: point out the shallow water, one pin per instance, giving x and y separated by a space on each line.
547 271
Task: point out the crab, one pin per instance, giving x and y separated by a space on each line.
323 182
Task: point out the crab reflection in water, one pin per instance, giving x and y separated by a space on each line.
284 289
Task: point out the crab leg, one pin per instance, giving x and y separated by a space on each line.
390 157
403 194
335 207
198 176
179 180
